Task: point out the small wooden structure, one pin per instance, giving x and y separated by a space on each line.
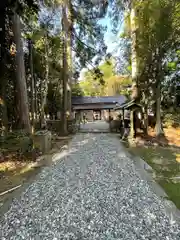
132 106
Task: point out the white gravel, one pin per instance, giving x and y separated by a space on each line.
93 192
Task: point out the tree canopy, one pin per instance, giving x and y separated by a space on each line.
54 35
45 45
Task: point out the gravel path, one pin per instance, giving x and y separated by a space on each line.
93 192
97 126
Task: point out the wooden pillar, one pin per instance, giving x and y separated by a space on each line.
132 124
132 129
102 114
135 123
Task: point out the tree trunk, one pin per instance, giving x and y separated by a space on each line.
134 45
4 106
145 114
3 60
20 77
68 27
69 52
65 73
158 128
145 119
32 82
132 127
134 59
45 91
36 109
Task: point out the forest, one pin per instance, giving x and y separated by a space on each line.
107 83
45 44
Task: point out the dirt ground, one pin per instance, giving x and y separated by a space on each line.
172 136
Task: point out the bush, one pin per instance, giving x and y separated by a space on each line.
56 126
171 120
17 141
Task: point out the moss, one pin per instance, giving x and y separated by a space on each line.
166 164
172 190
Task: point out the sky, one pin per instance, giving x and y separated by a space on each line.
109 37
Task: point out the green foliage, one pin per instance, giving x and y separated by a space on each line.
90 87
103 81
88 34
157 36
157 49
77 90
95 80
172 66
119 85
172 119
42 23
108 68
17 141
